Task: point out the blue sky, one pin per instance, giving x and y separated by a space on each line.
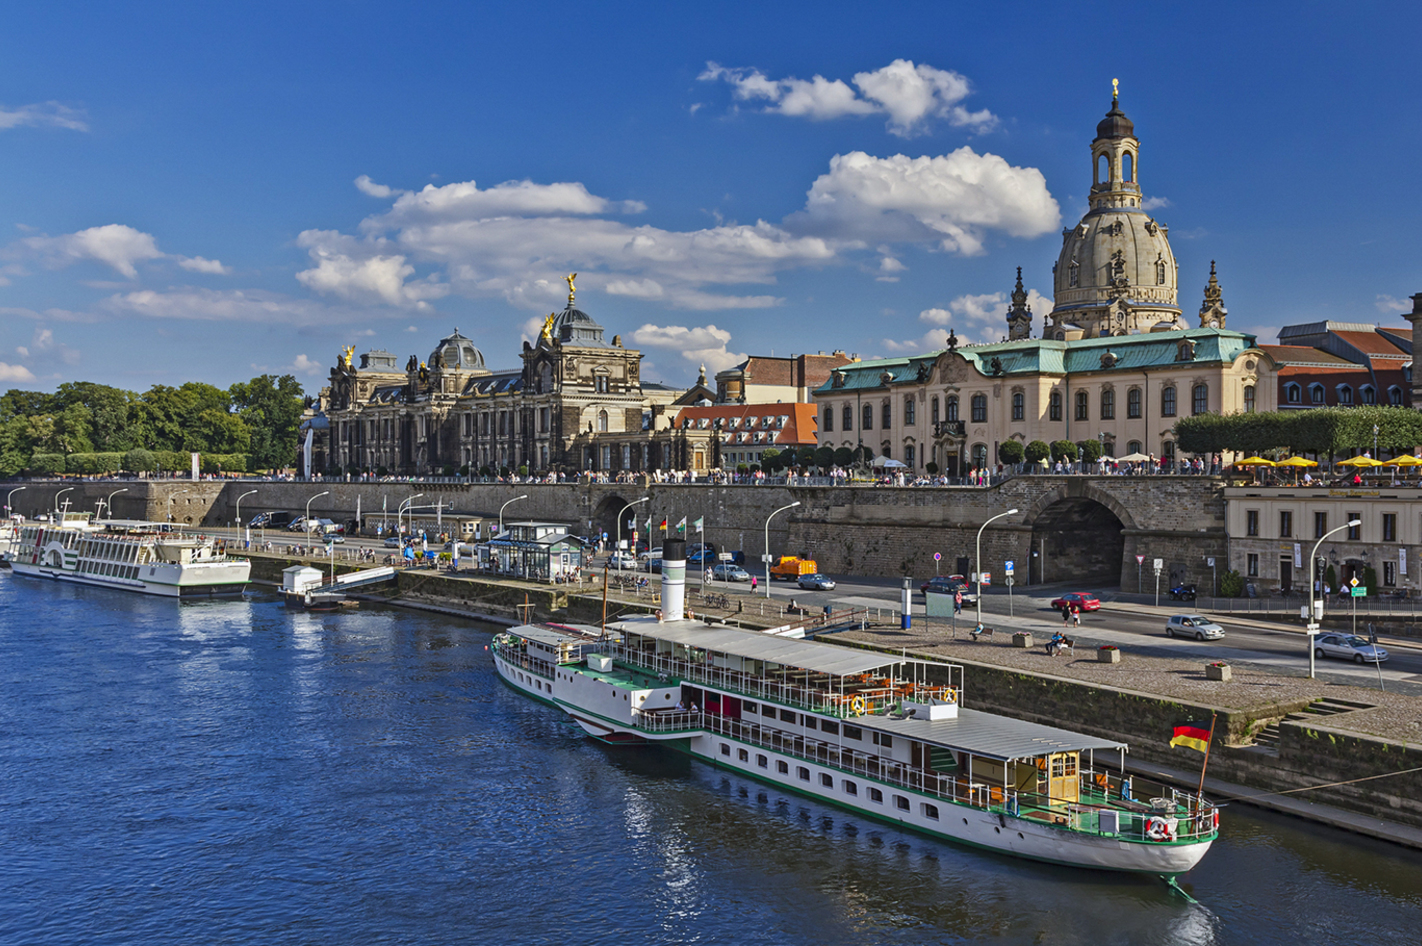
206 192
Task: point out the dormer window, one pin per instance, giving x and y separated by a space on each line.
1074 274
1160 272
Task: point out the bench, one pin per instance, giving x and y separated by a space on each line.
1065 644
975 633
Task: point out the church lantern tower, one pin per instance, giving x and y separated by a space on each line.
1019 314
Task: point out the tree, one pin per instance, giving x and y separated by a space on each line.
842 457
1330 578
932 468
1037 451
770 460
140 461
1231 584
1063 450
1370 580
1090 450
824 457
1011 451
271 407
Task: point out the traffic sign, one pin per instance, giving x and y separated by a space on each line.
938 556
1140 559
767 557
1008 567
986 578
1360 591
1353 582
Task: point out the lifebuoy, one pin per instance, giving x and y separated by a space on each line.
856 706
1160 829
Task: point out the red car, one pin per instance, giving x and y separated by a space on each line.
1081 600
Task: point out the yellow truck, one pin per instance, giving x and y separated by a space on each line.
790 568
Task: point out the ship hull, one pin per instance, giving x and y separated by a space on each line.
231 584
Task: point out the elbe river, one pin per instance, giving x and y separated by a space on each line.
235 772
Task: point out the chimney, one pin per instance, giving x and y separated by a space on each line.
673 579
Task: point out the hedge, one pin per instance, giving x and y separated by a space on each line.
92 463
1321 430
46 463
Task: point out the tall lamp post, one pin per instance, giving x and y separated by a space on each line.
400 512
1314 607
12 492
56 499
307 521
109 503
978 559
767 543
618 548
503 507
237 524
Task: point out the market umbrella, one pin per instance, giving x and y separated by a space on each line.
1360 462
1405 460
1134 458
1254 461
1300 461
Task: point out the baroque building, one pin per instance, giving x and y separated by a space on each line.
577 402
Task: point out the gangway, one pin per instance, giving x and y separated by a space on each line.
366 576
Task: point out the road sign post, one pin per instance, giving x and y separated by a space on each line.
1140 560
937 557
1159 564
1008 568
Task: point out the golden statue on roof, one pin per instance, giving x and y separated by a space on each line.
1115 89
346 354
571 288
547 332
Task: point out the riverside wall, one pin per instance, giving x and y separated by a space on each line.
861 530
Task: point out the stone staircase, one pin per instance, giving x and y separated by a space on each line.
1268 737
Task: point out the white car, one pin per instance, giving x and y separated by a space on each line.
1349 647
1197 626
621 561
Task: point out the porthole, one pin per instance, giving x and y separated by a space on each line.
997 829
1019 834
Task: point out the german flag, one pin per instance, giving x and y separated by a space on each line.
1192 736
664 523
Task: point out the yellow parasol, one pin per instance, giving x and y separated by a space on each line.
1254 461
1300 461
1405 460
1360 461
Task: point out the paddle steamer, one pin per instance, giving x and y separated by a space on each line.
883 735
131 556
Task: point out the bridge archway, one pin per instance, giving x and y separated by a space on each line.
605 518
1078 539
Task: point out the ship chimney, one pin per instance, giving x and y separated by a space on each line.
673 579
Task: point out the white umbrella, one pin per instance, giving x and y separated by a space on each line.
1134 458
886 462
1106 460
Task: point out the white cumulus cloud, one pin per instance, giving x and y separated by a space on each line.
1392 305
699 345
43 115
231 305
910 94
304 365
464 200
199 264
953 200
381 276
14 374
115 244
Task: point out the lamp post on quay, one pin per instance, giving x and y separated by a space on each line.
56 499
12 492
978 559
400 512
505 506
1315 607
109 502
307 521
238 522
618 548
767 542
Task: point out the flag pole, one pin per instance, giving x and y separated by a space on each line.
1200 795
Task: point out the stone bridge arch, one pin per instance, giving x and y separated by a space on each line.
605 516
1078 535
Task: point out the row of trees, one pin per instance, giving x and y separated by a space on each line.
93 428
1320 430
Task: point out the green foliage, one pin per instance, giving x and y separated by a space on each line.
932 468
1063 450
1321 430
523 469
807 456
1231 584
1370 579
140 461
224 463
271 407
1090 450
43 464
1011 451
843 456
742 468
93 463
824 457
486 470
1330 578
1037 451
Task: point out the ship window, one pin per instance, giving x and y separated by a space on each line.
802 773
930 811
876 796
725 749
787 715
901 803
782 767
853 732
883 739
826 780
748 707
809 722
829 726
743 755
762 761
850 788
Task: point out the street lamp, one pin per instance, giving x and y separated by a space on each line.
978 560
170 501
7 498
400 512
767 543
1312 627
307 521
505 506
109 503
618 548
238 521
56 499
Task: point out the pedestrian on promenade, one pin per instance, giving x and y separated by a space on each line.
1066 616
1075 616
752 584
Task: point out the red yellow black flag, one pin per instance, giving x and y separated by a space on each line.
1192 736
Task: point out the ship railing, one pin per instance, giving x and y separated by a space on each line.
662 721
520 659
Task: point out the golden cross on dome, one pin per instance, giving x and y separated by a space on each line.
571 288
1115 89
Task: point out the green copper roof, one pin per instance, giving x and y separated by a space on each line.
1045 356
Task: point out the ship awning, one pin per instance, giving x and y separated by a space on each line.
989 735
553 635
788 652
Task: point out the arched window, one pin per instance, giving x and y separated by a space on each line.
1249 399
1108 404
933 408
1081 409
1367 394
1293 394
847 418
887 417
1133 404
1167 401
867 421
909 410
1315 393
1394 396
1133 447
1019 405
980 455
979 408
829 419
1167 450
1160 272
1074 274
1128 167
602 421
1345 394
1054 406
1103 168
1200 399
953 408
910 455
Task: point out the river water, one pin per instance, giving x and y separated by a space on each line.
234 772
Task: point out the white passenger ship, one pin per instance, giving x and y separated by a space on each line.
876 733
132 556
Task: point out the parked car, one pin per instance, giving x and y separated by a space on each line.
260 519
948 585
1081 600
649 554
296 525
1193 625
816 582
393 542
622 561
1182 593
729 573
1349 647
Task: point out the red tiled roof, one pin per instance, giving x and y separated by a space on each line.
1372 343
1303 355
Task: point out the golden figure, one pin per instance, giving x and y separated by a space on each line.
571 288
1115 89
547 332
346 354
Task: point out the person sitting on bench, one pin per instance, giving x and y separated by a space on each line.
980 631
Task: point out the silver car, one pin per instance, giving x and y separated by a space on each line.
1193 625
1349 647
816 582
730 573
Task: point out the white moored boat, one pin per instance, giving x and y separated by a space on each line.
132 556
877 733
